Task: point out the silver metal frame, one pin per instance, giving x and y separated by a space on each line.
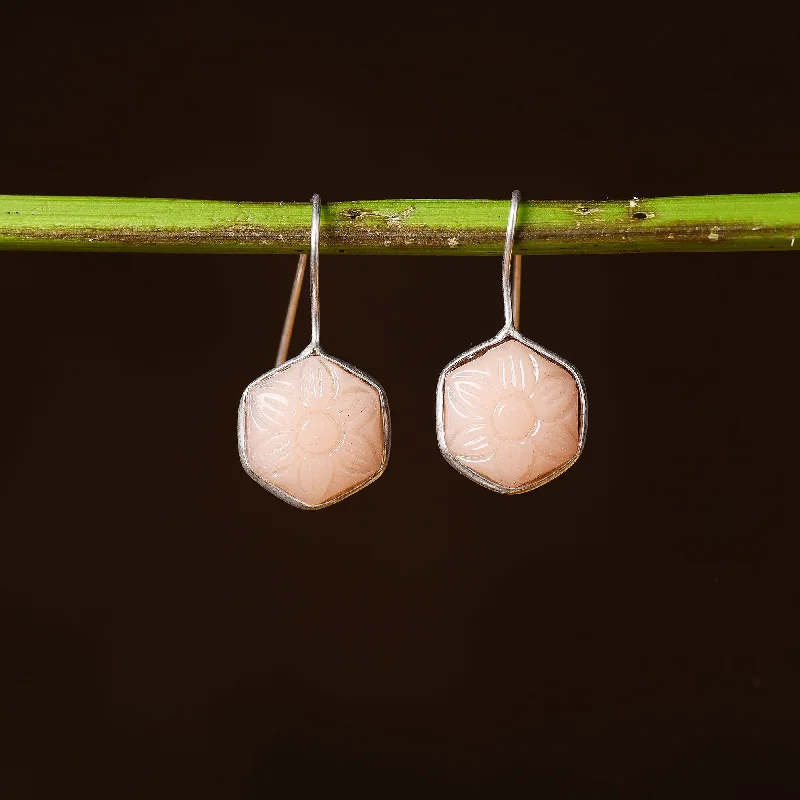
507 332
314 349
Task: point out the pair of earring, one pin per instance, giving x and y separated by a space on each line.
510 415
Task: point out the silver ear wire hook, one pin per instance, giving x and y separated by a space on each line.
291 310
294 297
516 281
510 230
313 273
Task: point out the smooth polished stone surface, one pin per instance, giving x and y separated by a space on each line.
314 430
511 415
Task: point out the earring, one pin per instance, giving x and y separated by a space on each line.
314 429
510 415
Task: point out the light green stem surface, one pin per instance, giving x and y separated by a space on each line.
403 227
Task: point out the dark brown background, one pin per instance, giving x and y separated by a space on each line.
172 630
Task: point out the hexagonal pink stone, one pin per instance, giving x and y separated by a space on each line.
511 415
314 430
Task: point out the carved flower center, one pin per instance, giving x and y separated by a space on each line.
514 417
319 433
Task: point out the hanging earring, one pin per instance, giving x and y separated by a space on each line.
314 429
510 415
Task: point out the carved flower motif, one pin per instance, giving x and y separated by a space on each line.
314 430
511 414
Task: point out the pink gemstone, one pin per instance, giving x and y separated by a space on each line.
511 415
314 430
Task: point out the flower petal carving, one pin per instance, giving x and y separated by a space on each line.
314 476
474 443
274 453
556 441
555 397
471 393
356 456
514 459
319 385
354 409
273 406
517 370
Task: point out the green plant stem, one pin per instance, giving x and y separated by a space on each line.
403 227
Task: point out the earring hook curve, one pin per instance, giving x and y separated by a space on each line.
313 272
507 252
294 297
